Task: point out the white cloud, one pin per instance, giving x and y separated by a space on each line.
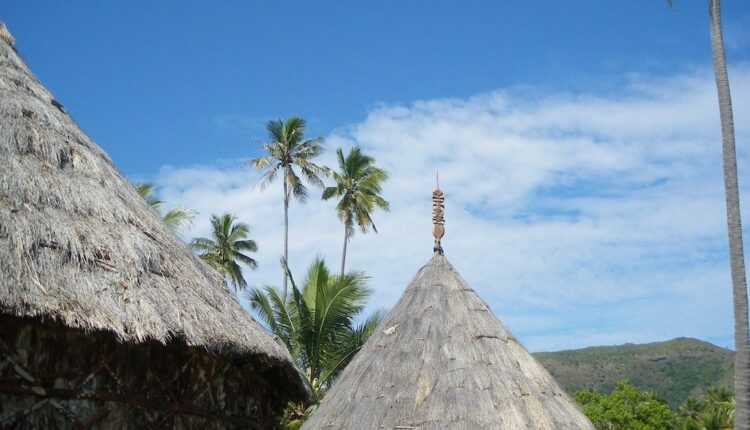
580 218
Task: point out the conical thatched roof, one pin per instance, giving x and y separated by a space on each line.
80 246
442 360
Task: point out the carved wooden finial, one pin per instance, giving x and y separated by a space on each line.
438 216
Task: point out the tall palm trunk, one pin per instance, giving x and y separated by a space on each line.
343 255
286 235
734 225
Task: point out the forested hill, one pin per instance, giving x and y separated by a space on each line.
675 369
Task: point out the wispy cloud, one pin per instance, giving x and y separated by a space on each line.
581 218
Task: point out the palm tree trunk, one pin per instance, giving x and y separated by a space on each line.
734 226
286 235
343 255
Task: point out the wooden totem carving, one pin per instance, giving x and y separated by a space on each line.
438 217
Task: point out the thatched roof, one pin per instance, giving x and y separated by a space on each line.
80 246
442 360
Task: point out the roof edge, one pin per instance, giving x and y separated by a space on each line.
6 36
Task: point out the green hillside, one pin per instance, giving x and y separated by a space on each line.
675 369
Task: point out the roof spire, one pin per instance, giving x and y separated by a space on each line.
438 218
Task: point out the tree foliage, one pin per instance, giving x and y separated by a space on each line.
318 321
176 218
714 411
626 408
226 248
358 184
288 149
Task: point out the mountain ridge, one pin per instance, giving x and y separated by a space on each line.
675 369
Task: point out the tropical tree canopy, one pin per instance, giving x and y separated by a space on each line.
289 148
714 411
358 187
175 218
318 321
626 408
226 248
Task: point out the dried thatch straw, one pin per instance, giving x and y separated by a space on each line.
80 246
442 360
6 36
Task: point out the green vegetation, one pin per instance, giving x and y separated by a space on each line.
714 411
675 369
317 324
626 408
175 218
287 149
358 187
226 248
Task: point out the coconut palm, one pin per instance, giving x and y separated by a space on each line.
721 403
714 411
734 223
358 187
690 414
317 323
714 421
175 218
288 148
226 248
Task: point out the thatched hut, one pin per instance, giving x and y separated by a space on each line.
107 320
442 360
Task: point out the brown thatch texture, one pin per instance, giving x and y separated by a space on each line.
79 245
5 35
442 360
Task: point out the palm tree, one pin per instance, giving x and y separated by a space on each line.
288 148
226 248
175 218
721 403
317 323
734 223
714 411
691 414
358 185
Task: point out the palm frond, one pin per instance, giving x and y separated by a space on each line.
296 188
353 341
234 271
148 192
262 162
358 186
225 248
249 262
312 174
268 177
317 321
263 309
275 129
202 244
246 245
177 218
330 192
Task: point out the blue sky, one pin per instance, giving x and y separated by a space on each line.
577 140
